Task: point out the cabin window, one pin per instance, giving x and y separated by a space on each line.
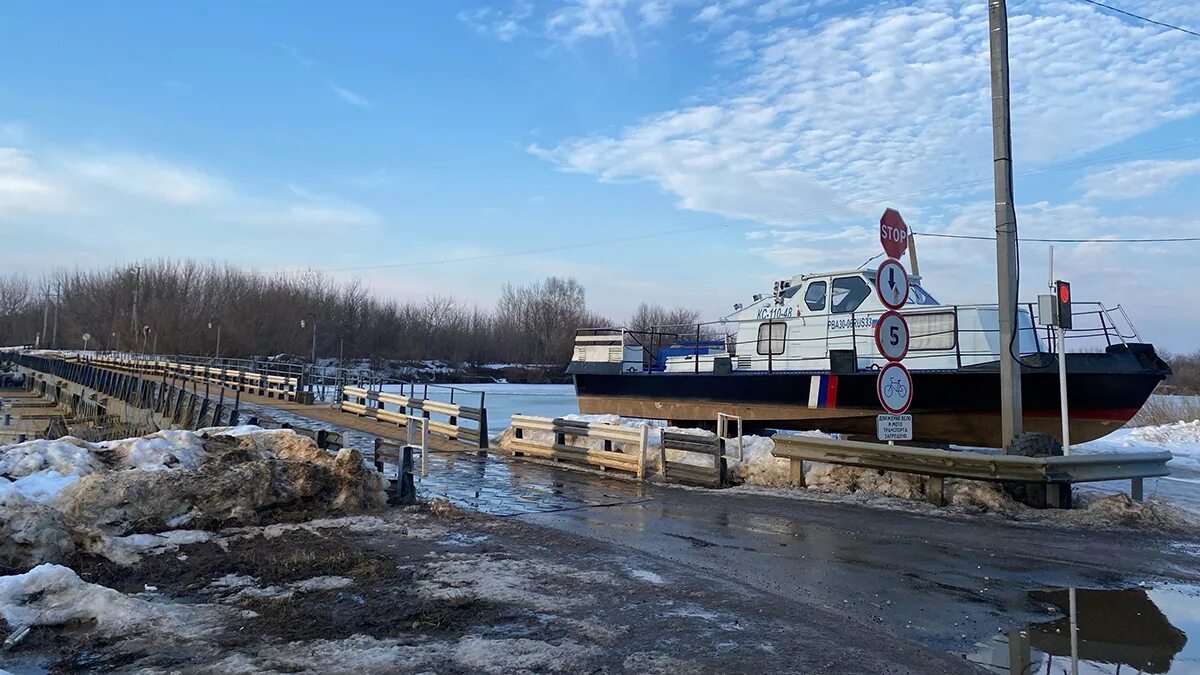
931 332
771 338
814 297
848 294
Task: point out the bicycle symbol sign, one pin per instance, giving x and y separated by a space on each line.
894 386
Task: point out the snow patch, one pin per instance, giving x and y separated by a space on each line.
647 576
52 595
493 577
522 655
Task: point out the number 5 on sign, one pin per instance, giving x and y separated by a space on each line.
891 336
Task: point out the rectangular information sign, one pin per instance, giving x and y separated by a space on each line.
894 427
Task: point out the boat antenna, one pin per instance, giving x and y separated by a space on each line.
869 261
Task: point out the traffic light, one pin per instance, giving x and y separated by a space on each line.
1062 294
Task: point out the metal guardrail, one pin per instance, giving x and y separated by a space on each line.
709 446
548 440
373 405
1053 472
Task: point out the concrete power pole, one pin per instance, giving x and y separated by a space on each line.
137 285
57 302
1006 225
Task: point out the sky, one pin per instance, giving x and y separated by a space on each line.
685 152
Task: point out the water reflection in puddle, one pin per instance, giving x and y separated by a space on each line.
1119 631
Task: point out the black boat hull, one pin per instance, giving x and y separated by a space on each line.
949 406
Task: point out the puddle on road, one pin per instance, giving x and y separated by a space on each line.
1120 631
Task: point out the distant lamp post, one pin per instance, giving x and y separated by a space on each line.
86 337
217 324
116 342
313 321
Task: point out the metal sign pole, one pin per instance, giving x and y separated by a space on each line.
1006 224
1062 369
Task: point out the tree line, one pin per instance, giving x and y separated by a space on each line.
179 307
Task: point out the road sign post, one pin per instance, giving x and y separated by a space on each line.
894 383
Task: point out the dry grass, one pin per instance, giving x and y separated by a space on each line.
1167 410
1185 374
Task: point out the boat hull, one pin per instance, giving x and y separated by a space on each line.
959 407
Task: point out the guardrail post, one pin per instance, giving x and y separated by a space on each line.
1135 489
935 490
796 472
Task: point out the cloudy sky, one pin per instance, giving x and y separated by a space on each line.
683 151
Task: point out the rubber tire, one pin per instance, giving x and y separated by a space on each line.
1034 444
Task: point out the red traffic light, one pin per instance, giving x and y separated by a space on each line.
1064 291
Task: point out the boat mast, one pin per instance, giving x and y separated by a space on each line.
1006 225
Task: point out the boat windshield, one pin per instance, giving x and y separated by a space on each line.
916 294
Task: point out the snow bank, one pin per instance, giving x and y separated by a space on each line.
65 495
53 595
1181 438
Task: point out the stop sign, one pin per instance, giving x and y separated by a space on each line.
893 233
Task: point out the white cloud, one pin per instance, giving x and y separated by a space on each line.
894 100
350 97
1137 179
150 178
299 56
584 19
504 25
569 22
25 188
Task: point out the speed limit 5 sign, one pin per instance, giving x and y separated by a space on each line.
891 336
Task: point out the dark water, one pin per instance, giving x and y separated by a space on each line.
1137 630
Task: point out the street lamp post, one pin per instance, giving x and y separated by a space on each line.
314 334
217 323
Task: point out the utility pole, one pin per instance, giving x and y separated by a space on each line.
1006 226
45 315
57 302
137 285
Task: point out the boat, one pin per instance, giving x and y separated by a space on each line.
804 357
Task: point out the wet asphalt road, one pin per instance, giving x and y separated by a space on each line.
946 583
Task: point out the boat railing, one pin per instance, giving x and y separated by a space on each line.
1095 328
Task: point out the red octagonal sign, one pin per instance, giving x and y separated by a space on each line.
893 233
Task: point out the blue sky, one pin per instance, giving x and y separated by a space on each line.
358 135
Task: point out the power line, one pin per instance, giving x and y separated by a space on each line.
1149 240
1142 18
1191 142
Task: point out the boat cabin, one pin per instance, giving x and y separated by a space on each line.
816 322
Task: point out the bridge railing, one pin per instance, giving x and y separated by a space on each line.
554 439
461 423
284 384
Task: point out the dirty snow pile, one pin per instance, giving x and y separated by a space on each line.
53 595
59 497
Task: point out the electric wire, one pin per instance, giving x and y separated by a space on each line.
1142 18
1188 143
1052 240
